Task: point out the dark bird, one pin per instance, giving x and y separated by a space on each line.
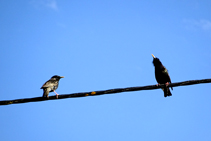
51 85
162 76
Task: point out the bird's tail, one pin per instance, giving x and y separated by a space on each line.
166 91
45 93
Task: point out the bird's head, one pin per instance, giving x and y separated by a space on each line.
56 77
156 61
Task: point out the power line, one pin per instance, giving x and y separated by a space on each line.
110 91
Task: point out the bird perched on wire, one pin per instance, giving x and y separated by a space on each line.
162 76
51 85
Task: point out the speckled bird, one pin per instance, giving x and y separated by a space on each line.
162 76
51 85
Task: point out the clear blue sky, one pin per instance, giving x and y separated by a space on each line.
99 45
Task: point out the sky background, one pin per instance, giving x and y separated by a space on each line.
99 45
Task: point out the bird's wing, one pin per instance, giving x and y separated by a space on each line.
47 84
168 76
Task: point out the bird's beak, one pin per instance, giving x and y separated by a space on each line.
153 56
61 76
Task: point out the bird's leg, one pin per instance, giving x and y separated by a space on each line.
56 94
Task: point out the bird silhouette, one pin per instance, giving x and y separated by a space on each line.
162 76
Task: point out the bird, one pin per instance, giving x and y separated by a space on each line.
51 85
162 75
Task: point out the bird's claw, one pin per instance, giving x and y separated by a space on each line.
167 83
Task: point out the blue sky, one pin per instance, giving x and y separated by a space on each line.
99 45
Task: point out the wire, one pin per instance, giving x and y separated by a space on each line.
110 91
